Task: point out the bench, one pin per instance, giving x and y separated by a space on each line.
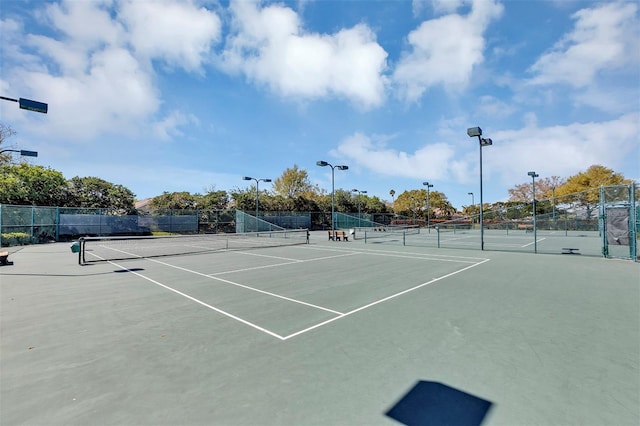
4 258
567 250
527 228
338 236
341 235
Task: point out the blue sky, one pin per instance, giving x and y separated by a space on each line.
185 95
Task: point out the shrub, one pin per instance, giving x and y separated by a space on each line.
15 239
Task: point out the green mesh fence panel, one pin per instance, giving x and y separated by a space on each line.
248 223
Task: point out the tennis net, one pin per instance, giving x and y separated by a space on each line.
391 234
101 249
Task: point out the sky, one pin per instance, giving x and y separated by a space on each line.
193 95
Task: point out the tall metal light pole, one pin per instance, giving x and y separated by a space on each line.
534 175
359 192
333 202
428 185
257 191
473 204
473 132
553 195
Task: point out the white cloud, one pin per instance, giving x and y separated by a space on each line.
113 96
179 32
430 161
563 150
88 25
169 126
270 47
442 6
492 107
96 70
555 150
605 37
444 51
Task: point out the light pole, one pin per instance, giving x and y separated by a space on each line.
534 175
333 202
359 192
473 132
22 152
257 192
428 185
553 195
472 206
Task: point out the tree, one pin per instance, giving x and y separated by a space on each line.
583 184
93 192
414 203
214 200
5 133
544 189
25 184
244 199
174 201
292 183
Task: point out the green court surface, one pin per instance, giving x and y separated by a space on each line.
329 333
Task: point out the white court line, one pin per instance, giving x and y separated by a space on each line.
537 241
381 301
267 255
408 255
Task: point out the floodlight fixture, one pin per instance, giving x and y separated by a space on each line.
29 104
474 131
23 152
486 142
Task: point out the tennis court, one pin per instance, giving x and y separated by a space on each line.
329 332
551 242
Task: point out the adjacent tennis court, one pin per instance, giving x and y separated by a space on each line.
329 332
550 242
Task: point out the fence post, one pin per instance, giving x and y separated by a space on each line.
633 218
602 220
33 220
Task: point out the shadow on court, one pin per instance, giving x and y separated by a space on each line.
433 403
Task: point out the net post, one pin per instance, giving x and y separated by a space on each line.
80 251
438 231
